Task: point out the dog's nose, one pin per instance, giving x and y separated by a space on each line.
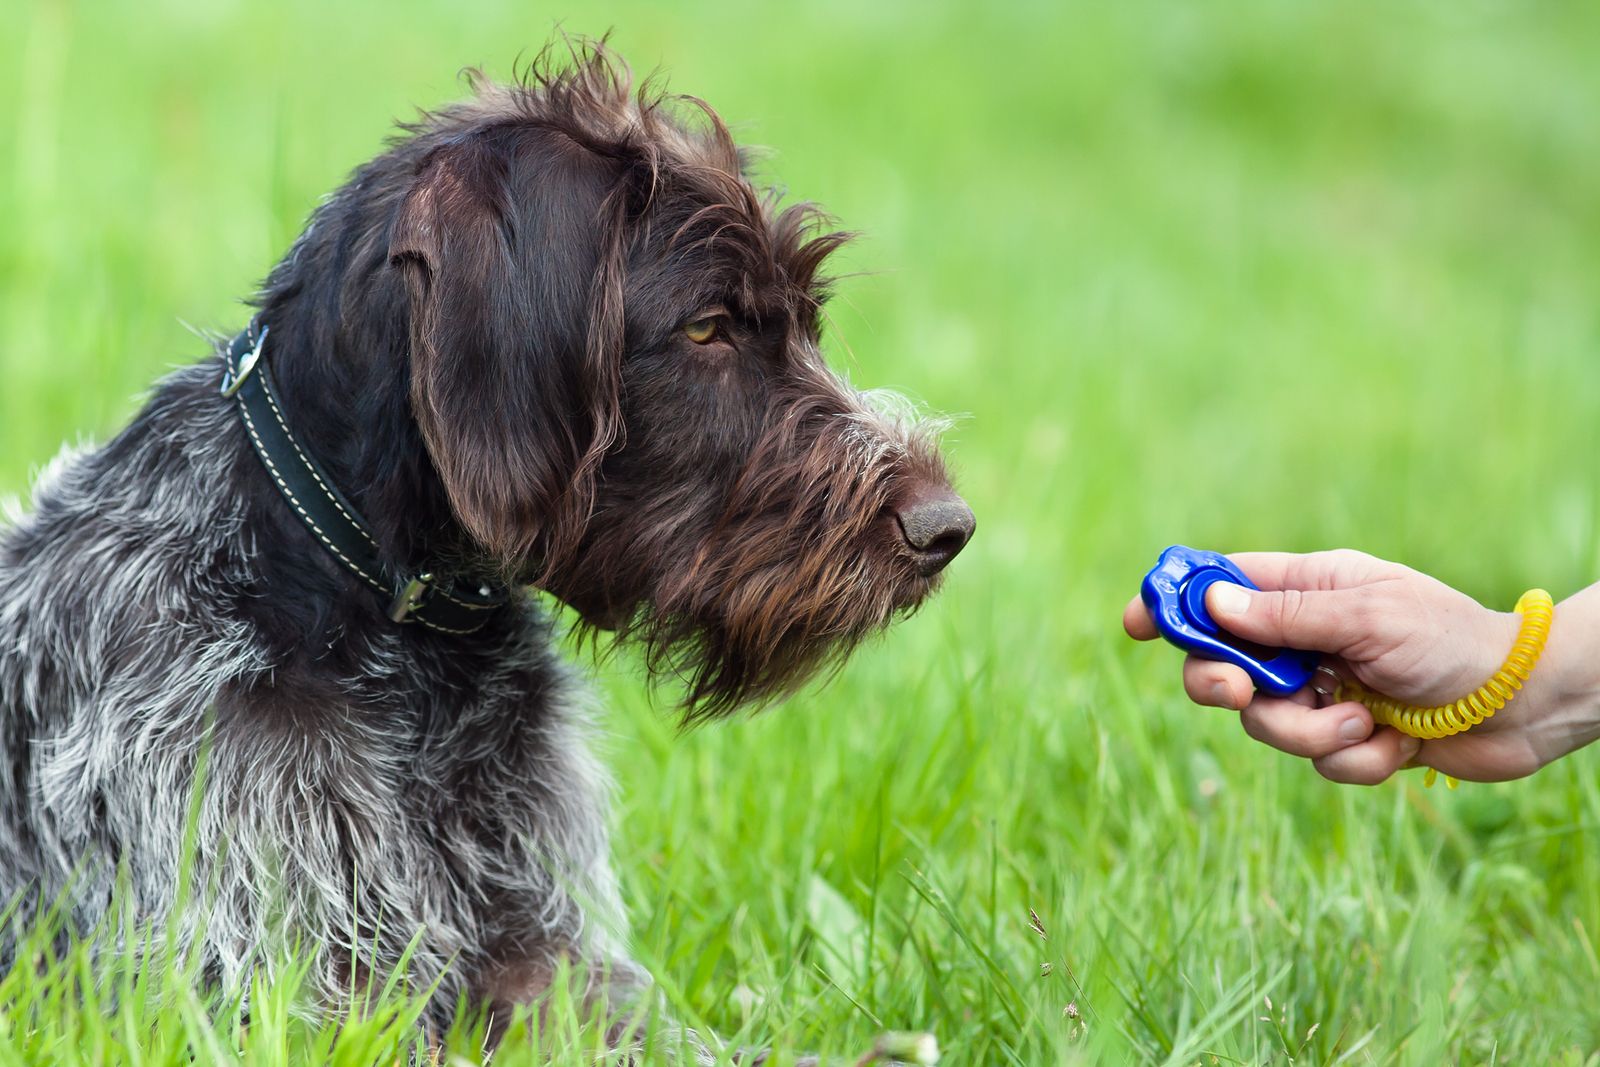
936 527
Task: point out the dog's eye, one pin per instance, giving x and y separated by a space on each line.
703 331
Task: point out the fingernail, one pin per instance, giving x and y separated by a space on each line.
1221 695
1228 599
1409 747
1353 729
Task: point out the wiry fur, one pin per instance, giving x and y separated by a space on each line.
481 337
352 806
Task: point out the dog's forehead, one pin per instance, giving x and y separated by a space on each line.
700 232
694 250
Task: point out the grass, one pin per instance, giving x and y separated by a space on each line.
1251 274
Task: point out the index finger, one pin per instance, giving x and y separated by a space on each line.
1338 568
1136 620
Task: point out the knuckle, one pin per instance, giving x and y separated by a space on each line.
1341 560
1288 608
1344 568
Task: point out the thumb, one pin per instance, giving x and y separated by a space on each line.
1313 620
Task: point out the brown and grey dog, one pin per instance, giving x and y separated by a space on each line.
551 337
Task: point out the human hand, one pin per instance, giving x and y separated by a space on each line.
1407 636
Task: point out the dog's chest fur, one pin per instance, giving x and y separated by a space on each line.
160 622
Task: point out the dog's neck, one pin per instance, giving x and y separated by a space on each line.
347 401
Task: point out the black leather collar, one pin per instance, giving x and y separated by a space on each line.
449 605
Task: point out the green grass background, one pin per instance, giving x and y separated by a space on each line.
1242 275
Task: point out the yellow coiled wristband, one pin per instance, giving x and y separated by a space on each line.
1537 610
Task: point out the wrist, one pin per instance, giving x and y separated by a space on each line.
1561 700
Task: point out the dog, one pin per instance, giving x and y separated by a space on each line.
552 338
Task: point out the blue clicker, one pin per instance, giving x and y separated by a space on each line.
1175 593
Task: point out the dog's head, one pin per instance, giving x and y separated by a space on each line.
615 365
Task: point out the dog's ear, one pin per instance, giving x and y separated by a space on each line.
512 254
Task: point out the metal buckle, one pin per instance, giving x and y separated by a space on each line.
410 597
232 380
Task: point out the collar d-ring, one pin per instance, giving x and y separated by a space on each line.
233 378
